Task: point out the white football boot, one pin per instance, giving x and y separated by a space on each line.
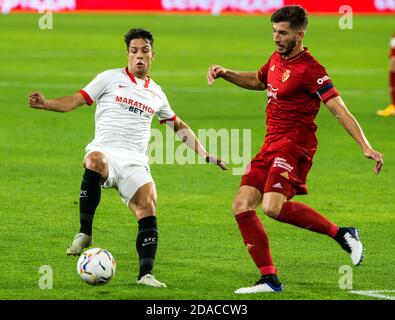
348 239
265 284
149 280
80 242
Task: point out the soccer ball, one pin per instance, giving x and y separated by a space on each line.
96 266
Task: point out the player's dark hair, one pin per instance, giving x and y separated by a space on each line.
296 16
138 33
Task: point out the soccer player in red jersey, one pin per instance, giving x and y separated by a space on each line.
296 85
390 110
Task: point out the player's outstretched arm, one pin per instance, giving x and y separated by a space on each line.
247 80
340 111
62 104
190 139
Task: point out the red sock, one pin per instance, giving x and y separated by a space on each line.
392 86
256 241
300 215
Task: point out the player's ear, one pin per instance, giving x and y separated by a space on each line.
153 55
300 35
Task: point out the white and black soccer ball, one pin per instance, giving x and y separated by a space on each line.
96 266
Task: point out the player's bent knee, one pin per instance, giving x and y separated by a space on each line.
93 166
149 207
240 205
96 161
272 210
145 208
143 214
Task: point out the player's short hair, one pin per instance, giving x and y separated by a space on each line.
296 16
138 33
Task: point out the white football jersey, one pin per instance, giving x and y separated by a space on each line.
125 107
392 42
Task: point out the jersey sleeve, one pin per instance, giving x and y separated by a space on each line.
317 82
96 87
165 113
263 71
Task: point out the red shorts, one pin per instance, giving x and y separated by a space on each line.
282 170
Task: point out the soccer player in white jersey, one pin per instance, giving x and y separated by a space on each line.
127 100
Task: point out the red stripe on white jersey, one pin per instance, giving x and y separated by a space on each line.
133 79
130 76
171 119
86 96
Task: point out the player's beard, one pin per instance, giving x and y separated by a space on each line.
290 47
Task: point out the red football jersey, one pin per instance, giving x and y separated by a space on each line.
295 88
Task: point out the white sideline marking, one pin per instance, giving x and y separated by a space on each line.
375 294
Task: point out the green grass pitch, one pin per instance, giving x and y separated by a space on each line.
201 254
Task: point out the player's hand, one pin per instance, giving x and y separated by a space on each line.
220 163
376 156
36 100
214 72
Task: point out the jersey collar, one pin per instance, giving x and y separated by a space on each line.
132 78
305 49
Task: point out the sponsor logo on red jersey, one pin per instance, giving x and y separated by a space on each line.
282 163
271 92
322 80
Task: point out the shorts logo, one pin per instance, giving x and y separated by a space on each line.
277 185
272 68
282 163
322 80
